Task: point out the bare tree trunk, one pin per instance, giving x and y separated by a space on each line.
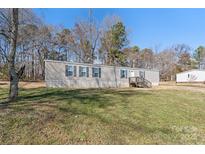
33 70
14 79
42 63
43 70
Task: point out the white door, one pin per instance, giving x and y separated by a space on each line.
132 74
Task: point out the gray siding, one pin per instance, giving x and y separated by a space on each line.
152 76
110 76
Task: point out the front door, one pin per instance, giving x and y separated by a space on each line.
142 74
132 74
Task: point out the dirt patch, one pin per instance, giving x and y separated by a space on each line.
29 85
196 87
26 85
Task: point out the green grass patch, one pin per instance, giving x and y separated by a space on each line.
103 116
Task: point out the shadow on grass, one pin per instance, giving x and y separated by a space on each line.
84 96
100 98
63 98
85 100
3 91
57 103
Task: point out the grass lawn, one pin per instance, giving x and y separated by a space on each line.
60 116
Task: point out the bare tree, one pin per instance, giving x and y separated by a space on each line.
132 56
44 44
147 58
10 23
11 18
183 56
165 62
106 38
86 37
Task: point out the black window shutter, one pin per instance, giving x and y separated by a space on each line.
93 72
99 72
66 70
87 71
80 74
75 71
126 74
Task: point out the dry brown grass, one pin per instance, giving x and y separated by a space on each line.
25 85
196 87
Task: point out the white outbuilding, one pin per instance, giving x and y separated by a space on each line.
191 76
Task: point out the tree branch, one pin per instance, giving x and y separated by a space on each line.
4 34
21 71
3 53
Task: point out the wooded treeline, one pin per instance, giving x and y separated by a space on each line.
88 41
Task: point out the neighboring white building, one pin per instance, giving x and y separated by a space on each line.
191 76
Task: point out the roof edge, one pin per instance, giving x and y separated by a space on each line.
57 61
190 71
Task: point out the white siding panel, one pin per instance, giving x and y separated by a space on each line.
191 76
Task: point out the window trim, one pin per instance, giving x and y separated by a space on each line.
126 73
98 72
73 70
81 71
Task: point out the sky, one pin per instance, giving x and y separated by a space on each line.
148 28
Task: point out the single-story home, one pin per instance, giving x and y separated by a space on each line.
194 75
81 75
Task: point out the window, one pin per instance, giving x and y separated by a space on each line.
123 73
70 70
142 74
96 72
188 75
83 71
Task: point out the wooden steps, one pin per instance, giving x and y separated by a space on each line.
139 82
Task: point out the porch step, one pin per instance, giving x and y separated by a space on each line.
139 82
